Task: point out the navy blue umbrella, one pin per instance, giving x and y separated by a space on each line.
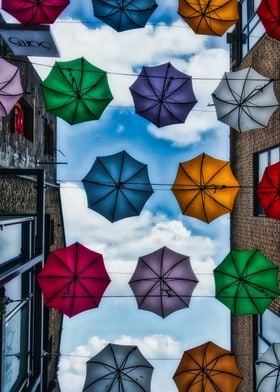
117 186
163 95
124 14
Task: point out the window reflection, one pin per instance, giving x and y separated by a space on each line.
10 242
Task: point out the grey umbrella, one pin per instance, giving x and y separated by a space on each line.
268 370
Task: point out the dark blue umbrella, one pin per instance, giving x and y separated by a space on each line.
117 186
124 14
163 95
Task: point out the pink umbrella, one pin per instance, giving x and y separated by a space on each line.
34 12
10 87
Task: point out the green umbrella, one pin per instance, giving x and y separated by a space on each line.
76 91
246 282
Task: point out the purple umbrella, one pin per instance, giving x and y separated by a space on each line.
10 87
163 282
163 95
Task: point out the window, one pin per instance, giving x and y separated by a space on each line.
261 161
48 140
22 119
268 330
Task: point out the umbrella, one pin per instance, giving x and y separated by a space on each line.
163 282
211 17
73 279
163 95
269 14
245 100
207 368
76 91
268 370
10 87
33 12
118 368
117 186
268 191
205 187
124 14
246 282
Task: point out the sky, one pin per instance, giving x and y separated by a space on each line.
118 320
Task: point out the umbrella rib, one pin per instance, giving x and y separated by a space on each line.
62 262
49 299
217 172
216 201
147 265
102 198
146 294
149 82
97 258
106 170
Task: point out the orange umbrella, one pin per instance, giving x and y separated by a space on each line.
205 187
211 17
207 368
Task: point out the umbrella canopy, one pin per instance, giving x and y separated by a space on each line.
124 14
76 91
163 282
246 282
33 12
10 87
73 279
163 95
205 187
269 14
211 17
268 370
207 368
245 100
268 191
118 368
117 186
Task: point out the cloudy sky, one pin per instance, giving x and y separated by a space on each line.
118 320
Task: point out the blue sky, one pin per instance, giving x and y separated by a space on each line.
161 223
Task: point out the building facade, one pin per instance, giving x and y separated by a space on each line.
31 225
251 152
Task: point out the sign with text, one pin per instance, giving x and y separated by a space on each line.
32 41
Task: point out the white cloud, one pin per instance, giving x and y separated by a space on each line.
72 368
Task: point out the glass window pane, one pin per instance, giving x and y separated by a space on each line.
256 4
10 242
244 13
274 155
271 326
13 291
263 162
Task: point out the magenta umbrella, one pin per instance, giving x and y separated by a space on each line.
10 87
73 279
34 12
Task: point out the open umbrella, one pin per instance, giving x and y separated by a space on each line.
268 191
124 14
205 187
117 186
73 279
163 95
268 370
269 14
118 368
207 368
163 282
211 17
246 282
10 87
33 12
76 91
245 100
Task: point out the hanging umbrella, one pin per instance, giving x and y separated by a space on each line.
73 279
163 95
117 186
163 282
76 91
10 87
34 12
211 17
246 282
124 14
269 14
268 370
268 191
245 100
207 368
205 187
118 368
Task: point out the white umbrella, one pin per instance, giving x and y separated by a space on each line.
268 370
245 100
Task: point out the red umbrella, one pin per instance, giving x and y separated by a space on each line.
73 279
269 14
33 12
268 191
